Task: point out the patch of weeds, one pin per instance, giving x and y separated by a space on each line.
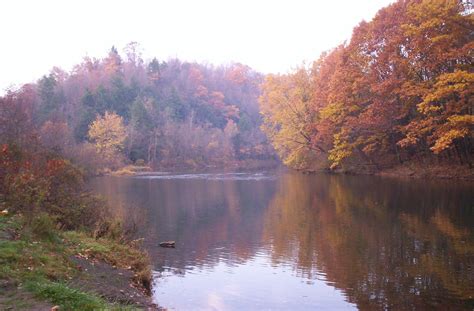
37 255
16 300
9 224
67 298
44 227
115 253
28 255
11 257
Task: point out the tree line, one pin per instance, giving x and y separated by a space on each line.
121 109
400 91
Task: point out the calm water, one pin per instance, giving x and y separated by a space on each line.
286 241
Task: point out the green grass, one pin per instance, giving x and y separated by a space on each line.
37 261
25 259
12 301
8 222
66 297
114 253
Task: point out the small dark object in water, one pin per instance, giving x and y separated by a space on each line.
168 244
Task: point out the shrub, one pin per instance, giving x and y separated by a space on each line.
140 162
44 227
46 183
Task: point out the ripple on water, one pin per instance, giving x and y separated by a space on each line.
208 176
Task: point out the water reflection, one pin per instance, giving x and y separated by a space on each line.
293 241
385 243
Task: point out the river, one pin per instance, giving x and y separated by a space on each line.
288 241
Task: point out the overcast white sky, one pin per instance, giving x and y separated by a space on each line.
268 35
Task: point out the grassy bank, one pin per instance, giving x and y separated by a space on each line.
42 267
60 245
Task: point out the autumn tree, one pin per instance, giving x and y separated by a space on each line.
440 54
56 136
51 98
108 134
401 89
287 116
172 110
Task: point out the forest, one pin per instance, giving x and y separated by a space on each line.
400 91
167 114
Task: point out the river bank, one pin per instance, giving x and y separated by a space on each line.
406 170
426 171
234 166
42 267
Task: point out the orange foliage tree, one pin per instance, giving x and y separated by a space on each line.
401 89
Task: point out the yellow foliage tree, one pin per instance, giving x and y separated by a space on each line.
108 134
287 115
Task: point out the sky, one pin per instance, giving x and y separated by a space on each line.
271 36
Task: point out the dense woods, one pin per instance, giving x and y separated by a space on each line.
166 114
400 91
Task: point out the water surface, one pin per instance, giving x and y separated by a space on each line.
287 241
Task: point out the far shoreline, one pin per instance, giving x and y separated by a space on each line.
408 171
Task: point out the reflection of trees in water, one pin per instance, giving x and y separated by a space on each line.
385 243
209 220
125 207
